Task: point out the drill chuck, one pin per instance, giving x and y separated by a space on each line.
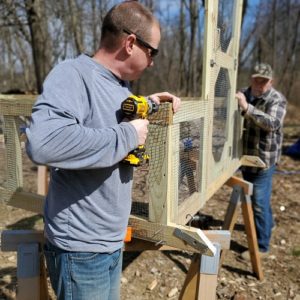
153 107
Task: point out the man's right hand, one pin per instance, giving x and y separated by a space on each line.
141 127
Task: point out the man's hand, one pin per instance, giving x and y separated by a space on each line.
165 96
141 127
242 102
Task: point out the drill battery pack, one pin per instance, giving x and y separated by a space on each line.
137 157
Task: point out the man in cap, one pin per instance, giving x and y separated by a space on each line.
263 109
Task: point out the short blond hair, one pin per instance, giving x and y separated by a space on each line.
130 15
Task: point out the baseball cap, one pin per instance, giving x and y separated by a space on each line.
262 70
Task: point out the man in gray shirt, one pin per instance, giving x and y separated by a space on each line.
77 130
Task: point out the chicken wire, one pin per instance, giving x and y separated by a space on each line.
191 135
221 98
15 112
148 174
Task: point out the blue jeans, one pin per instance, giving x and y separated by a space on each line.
84 275
261 203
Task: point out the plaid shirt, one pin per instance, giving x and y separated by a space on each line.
263 123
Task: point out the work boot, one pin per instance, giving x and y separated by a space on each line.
246 255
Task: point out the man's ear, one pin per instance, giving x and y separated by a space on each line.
129 43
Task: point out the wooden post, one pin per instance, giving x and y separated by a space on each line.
190 287
201 280
42 180
209 269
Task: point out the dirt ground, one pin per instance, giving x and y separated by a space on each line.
160 275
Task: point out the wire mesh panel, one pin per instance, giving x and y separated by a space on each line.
222 92
219 129
223 83
16 164
191 158
13 151
189 150
15 111
220 126
221 68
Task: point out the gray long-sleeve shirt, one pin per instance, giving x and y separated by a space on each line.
77 130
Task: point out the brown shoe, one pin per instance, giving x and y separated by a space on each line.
246 255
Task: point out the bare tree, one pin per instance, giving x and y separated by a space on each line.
40 39
182 46
28 24
273 37
22 53
289 67
76 25
194 15
99 9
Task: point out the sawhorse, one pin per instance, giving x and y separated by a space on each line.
201 279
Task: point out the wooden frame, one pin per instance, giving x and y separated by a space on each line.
164 207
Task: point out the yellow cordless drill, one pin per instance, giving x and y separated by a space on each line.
138 107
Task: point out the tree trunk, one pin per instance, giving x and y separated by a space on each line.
40 40
181 48
76 27
193 28
274 33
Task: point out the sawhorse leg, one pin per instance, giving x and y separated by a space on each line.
202 277
251 236
241 193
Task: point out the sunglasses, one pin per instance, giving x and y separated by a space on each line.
153 51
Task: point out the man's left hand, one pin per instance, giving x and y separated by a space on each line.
165 96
